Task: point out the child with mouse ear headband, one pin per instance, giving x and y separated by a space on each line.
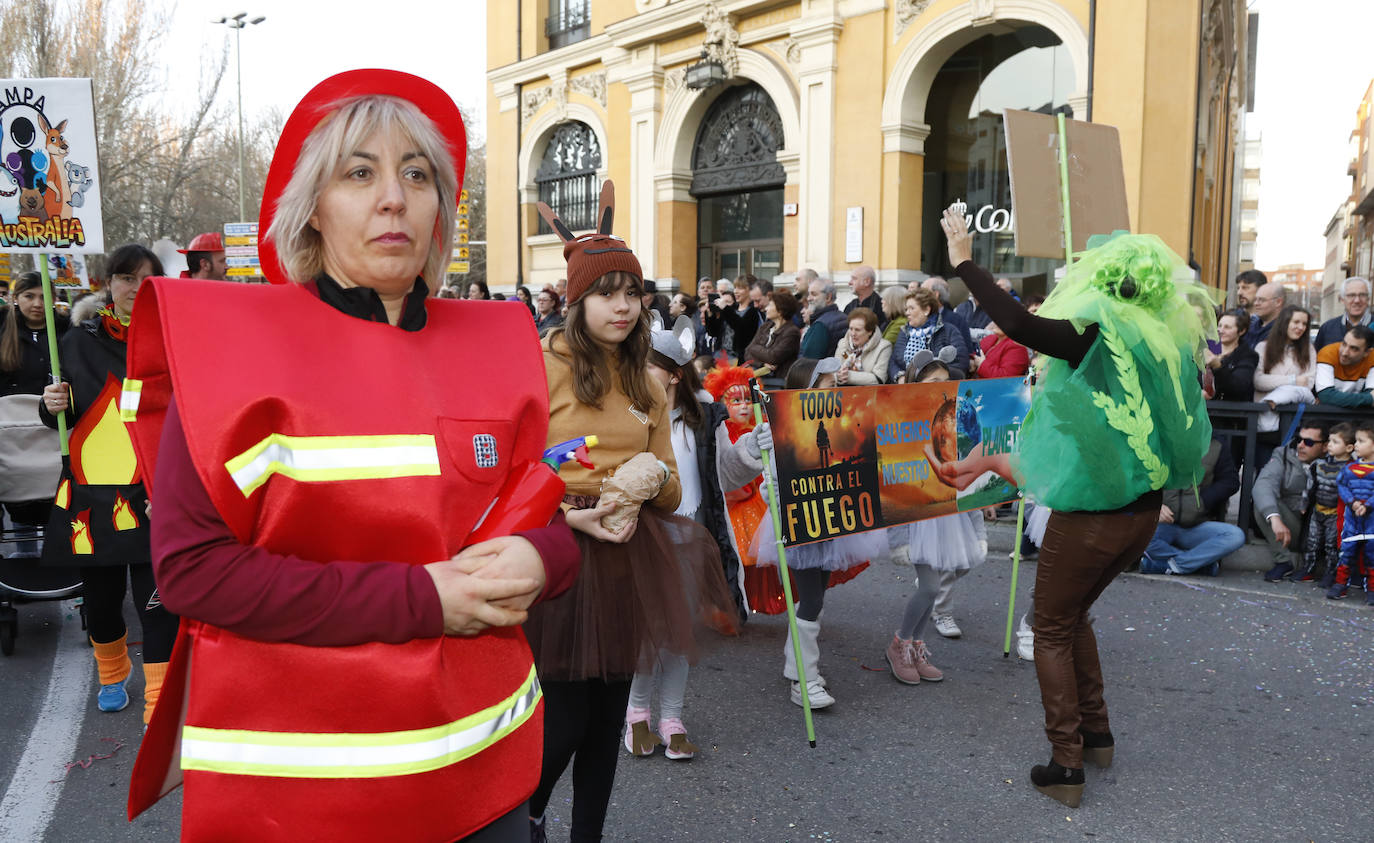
649 579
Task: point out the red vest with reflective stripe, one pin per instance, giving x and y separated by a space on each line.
266 371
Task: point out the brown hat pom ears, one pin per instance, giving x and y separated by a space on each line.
605 214
591 256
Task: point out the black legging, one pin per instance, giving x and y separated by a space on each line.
582 719
810 585
104 590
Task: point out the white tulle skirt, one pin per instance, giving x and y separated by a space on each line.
948 543
1037 516
839 554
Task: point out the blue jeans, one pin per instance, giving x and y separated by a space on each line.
1186 550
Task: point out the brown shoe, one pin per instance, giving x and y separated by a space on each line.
902 658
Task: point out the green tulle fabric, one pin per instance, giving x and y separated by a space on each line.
1131 418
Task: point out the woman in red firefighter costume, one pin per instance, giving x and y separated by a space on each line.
647 575
346 669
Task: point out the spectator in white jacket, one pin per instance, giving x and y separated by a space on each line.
862 351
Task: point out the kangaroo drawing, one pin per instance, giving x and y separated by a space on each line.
58 188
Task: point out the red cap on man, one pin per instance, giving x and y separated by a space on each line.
208 245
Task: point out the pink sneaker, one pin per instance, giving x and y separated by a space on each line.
928 671
678 748
901 657
638 739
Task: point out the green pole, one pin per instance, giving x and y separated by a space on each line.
1068 261
52 345
1064 188
786 576
1015 567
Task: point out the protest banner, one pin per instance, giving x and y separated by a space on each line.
852 459
49 174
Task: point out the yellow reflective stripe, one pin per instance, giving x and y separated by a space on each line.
351 755
324 458
128 399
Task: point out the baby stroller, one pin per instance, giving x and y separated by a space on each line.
30 465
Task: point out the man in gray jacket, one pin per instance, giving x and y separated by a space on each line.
1280 495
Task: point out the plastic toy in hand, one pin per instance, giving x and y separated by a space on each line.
637 480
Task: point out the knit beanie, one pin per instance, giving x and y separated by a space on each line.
593 255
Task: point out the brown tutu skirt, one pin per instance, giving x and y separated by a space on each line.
658 591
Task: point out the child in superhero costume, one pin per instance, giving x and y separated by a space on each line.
648 580
1355 485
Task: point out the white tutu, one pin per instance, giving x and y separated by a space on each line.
947 543
1037 516
839 554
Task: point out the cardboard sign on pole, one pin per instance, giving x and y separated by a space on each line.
1097 182
49 177
68 272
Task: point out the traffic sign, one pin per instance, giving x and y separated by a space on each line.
458 268
239 229
241 251
243 240
244 261
243 271
462 237
463 196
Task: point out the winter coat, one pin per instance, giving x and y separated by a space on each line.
1284 479
1220 480
1287 371
869 367
775 346
1003 357
945 334
35 368
1235 378
820 339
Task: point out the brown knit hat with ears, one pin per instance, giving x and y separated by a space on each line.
593 255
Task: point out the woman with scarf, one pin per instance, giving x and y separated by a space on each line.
925 329
99 520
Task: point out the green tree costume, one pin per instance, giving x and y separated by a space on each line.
1131 417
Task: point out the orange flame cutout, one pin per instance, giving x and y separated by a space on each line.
64 494
81 534
102 452
124 516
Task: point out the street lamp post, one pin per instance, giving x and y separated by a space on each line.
237 23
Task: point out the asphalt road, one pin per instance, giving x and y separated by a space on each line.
1241 712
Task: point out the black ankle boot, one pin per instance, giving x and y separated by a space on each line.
1062 784
1098 748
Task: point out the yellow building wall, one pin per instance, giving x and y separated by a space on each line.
1145 84
677 237
1146 72
857 148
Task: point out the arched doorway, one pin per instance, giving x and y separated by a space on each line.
738 184
1026 68
566 177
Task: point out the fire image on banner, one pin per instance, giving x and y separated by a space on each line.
866 458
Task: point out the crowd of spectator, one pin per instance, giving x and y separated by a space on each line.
1267 353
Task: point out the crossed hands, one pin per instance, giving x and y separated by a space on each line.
489 584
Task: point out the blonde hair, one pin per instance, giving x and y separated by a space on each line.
894 299
352 121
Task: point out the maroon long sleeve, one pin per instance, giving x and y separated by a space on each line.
203 572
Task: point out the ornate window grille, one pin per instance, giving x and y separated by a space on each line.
737 145
567 176
569 21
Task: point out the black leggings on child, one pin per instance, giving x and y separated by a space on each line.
582 723
104 590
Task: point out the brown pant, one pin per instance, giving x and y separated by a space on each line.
1082 553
